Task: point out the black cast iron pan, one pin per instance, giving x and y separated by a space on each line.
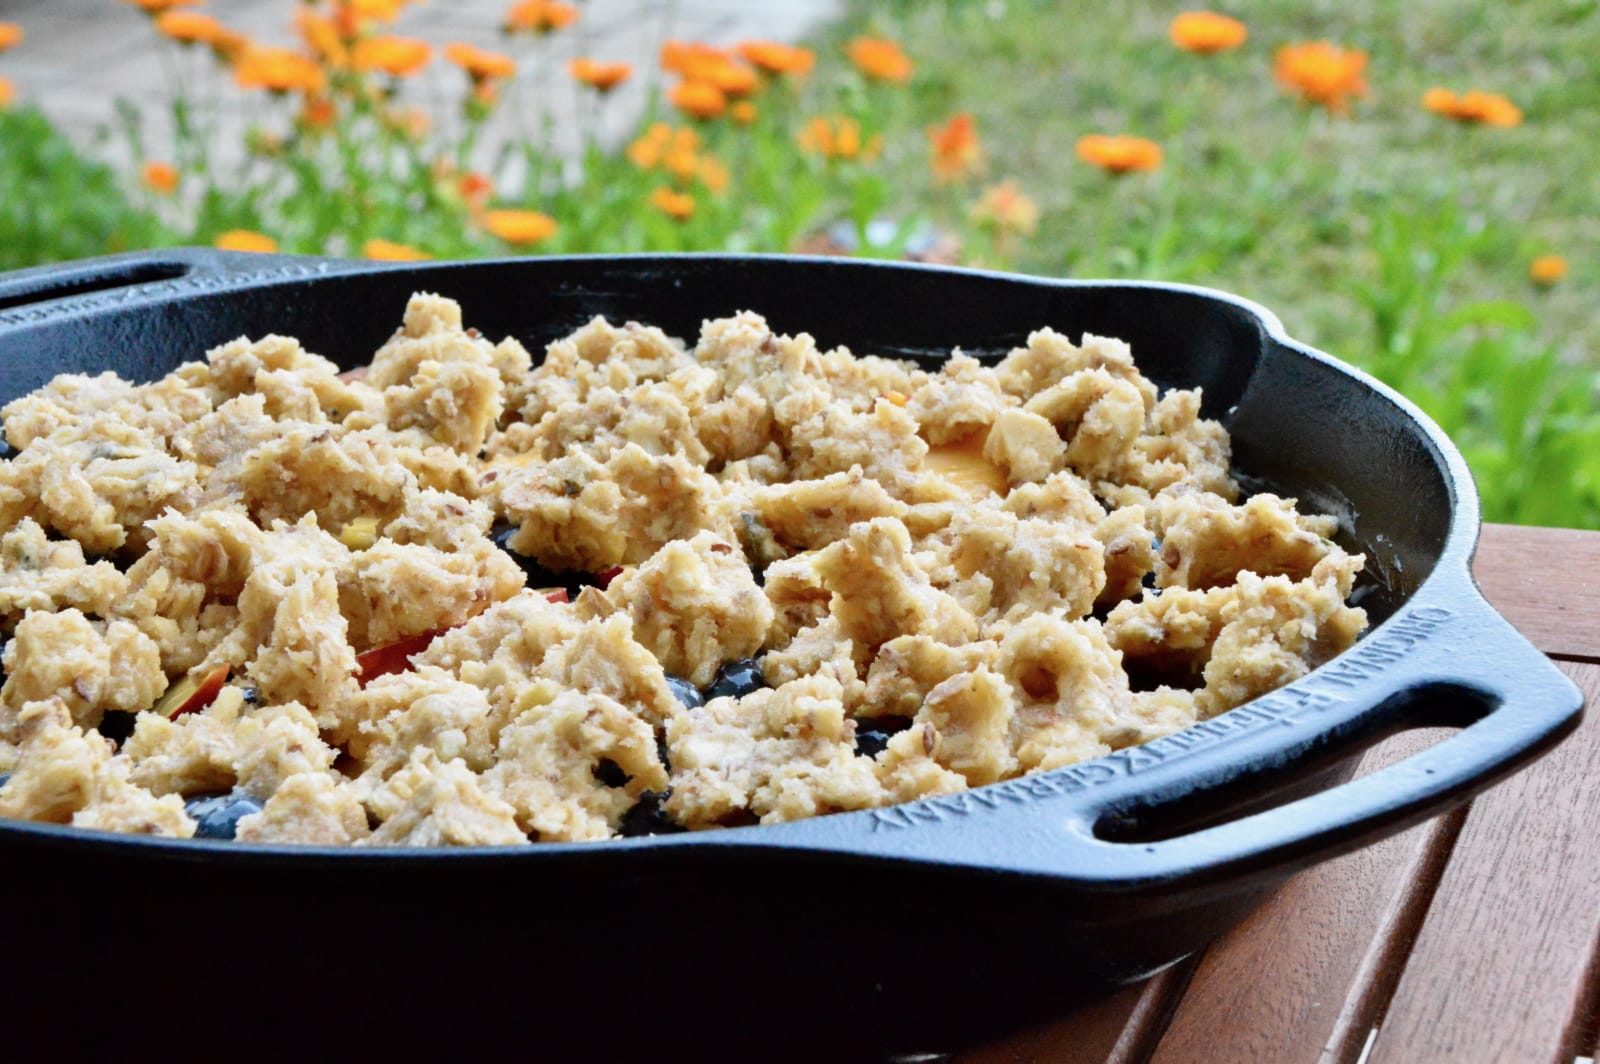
903 929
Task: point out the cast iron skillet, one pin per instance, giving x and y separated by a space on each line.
908 928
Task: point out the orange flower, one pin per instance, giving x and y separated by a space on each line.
1007 209
712 174
475 188
743 112
479 64
1482 108
228 45
1323 73
539 16
246 240
777 58
8 92
1120 155
278 70
682 57
955 147
1546 270
160 177
838 137
398 57
353 17
597 75
1207 32
389 251
156 7
11 35
698 98
520 227
322 37
318 113
880 59
678 206
189 27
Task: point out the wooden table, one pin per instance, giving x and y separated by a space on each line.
1472 937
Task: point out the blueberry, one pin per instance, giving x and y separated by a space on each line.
217 816
873 733
686 692
6 450
116 726
648 817
5 778
538 575
610 773
737 679
251 694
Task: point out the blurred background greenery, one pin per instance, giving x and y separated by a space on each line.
1415 195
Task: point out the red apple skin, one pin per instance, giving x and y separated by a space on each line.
605 576
558 595
392 657
210 686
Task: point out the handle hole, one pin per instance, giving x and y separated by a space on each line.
1426 717
99 281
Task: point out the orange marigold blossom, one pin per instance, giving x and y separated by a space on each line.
323 38
680 57
743 112
189 27
1206 32
681 163
1119 154
776 58
8 92
278 70
11 35
318 113
228 45
389 251
520 227
672 203
1547 270
159 177
955 147
246 240
1322 73
156 7
539 16
355 17
398 57
837 137
732 78
712 174
480 65
1482 108
698 98
597 75
1007 209
880 59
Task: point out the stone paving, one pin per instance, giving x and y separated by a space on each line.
81 56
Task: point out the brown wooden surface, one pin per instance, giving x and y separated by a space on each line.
1471 937
1547 581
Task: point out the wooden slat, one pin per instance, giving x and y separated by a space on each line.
1119 1029
1546 581
1306 972
1503 964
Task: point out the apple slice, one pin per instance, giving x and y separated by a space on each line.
963 464
605 576
557 595
192 693
392 657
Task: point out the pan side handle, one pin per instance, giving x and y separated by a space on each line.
1475 664
42 293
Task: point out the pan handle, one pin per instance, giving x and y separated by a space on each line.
28 296
1473 660
1447 651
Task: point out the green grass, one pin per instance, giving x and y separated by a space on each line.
1390 237
56 204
